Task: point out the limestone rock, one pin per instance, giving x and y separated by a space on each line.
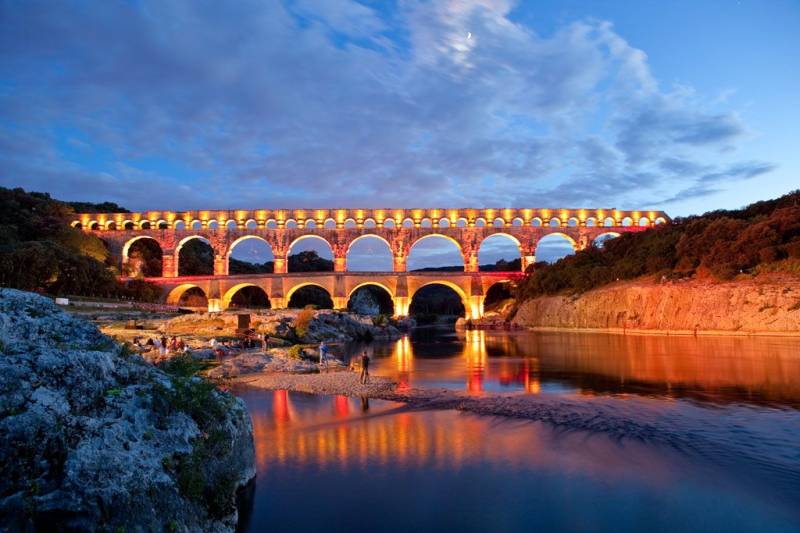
94 438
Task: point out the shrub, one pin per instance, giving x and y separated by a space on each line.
303 321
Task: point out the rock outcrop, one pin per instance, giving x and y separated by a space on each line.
94 438
769 305
323 325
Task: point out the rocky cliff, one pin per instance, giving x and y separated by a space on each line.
94 438
762 305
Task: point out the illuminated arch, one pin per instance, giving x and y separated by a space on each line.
271 224
554 222
290 224
174 296
609 222
180 245
443 223
111 225
551 238
389 223
303 238
644 222
350 223
480 223
213 224
144 224
370 223
437 235
294 289
127 246
230 293
128 225
660 220
499 222
408 223
498 236
375 283
94 225
603 237
383 255
76 224
573 222
426 223
462 223
627 221
329 224
196 224
591 222
536 222
459 291
251 224
179 225
517 222
162 224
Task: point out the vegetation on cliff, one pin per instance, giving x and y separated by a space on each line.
40 252
721 244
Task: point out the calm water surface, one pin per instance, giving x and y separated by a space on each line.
349 464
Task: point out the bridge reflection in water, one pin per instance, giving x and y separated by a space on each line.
756 370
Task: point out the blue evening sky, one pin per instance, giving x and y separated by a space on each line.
683 105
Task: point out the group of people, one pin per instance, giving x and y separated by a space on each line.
163 346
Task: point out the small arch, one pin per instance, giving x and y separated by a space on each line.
111 225
408 223
370 223
350 223
179 225
310 223
644 222
536 222
480 223
94 225
290 224
609 222
517 222
128 225
145 224
499 223
251 224
573 222
627 221
462 223
246 295
162 224
330 224
309 293
426 223
213 224
591 222
382 300
555 222
271 224
389 223
77 224
660 220
196 225
444 223
230 225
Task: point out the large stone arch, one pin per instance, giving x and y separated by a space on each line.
502 235
366 236
435 235
238 240
309 236
372 283
469 309
231 292
179 246
551 237
302 284
174 296
130 242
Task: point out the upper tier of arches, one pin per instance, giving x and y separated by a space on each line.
366 218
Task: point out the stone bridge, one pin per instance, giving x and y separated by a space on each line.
399 229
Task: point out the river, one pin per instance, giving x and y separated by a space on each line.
720 450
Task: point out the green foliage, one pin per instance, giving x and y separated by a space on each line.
721 243
295 351
40 252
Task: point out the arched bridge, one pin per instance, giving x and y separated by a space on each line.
399 229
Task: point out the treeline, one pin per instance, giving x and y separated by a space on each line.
40 252
721 244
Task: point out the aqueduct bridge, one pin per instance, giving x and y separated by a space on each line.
400 229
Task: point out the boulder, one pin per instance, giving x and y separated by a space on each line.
94 438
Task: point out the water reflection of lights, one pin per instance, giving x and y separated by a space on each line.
404 360
476 358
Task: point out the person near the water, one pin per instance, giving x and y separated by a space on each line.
323 354
364 368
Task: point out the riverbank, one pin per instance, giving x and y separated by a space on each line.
765 305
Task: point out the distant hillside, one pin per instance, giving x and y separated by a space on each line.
720 244
40 252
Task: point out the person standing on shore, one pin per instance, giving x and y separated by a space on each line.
323 354
364 379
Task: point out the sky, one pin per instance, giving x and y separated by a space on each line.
684 106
